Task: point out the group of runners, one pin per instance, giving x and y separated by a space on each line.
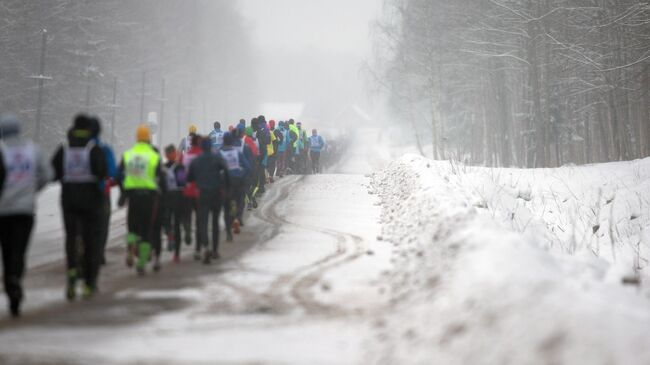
164 191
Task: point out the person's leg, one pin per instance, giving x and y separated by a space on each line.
216 211
132 237
14 237
278 164
315 161
176 218
156 230
71 249
262 175
185 218
271 167
202 224
166 219
104 226
194 209
91 221
229 211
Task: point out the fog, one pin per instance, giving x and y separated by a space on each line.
219 61
527 83
311 53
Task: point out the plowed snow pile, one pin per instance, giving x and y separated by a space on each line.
504 266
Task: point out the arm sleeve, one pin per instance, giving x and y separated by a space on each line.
160 176
57 164
245 164
191 173
2 173
120 174
44 171
110 162
226 174
98 164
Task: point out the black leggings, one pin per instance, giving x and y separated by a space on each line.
209 207
84 221
142 214
15 231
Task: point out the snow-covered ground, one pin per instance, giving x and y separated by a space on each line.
418 261
498 266
299 286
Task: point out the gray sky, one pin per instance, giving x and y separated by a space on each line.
311 51
330 25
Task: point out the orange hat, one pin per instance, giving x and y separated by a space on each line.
143 134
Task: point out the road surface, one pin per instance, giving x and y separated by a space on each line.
301 284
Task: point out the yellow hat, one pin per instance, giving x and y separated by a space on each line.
192 128
143 134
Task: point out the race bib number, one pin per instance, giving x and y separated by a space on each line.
137 166
20 165
232 159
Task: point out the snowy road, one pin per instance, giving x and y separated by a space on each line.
299 286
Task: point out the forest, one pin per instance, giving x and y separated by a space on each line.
121 60
528 83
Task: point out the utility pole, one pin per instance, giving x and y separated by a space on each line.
114 108
189 107
162 113
144 85
88 97
41 79
180 116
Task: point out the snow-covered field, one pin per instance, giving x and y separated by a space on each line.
505 266
420 262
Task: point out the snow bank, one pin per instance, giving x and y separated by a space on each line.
468 288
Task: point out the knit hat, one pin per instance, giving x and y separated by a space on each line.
143 134
249 131
82 121
272 123
192 128
9 125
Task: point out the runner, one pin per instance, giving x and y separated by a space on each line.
216 136
23 172
191 194
294 134
80 165
186 143
263 140
206 171
282 136
302 149
272 151
142 180
248 154
251 192
239 170
175 205
316 145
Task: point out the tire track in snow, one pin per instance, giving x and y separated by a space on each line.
300 282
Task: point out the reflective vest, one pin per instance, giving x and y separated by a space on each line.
20 164
76 164
140 163
231 157
270 150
